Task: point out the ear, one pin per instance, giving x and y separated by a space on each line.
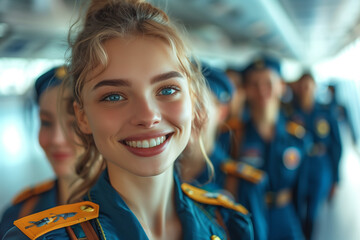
81 119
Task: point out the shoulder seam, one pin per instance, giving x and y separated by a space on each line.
33 191
210 198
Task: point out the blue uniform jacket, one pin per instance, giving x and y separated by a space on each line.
117 222
322 124
45 200
218 157
282 159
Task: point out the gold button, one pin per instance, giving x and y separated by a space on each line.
214 237
87 208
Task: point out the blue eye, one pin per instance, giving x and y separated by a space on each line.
167 91
113 98
45 123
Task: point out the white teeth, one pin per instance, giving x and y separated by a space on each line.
152 142
149 143
145 144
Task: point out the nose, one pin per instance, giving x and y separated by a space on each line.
146 113
59 135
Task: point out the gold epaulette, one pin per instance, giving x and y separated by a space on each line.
38 224
32 191
210 198
295 129
243 170
232 124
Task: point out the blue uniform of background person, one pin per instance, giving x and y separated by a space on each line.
276 201
222 89
283 161
43 197
37 203
324 156
117 222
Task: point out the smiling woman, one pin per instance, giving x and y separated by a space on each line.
132 107
138 98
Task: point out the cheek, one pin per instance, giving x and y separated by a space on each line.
44 139
250 93
180 112
105 123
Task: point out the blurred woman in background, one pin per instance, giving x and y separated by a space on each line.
59 147
325 151
269 158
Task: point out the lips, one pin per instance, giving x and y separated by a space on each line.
60 156
147 147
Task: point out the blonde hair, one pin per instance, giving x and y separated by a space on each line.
110 19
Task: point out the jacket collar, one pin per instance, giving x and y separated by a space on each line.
116 220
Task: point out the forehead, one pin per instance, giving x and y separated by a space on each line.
136 57
307 79
48 98
260 75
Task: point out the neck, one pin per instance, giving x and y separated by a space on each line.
64 189
265 120
193 161
307 104
151 199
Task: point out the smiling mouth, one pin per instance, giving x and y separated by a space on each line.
147 143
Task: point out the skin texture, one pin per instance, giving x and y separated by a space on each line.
305 89
263 91
58 149
140 95
263 88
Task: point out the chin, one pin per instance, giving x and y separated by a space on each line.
152 171
63 172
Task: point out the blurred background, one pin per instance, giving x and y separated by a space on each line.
320 35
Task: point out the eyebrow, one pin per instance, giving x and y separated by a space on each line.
165 76
112 82
124 82
45 113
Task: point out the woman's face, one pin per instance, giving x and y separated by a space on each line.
262 88
306 88
60 152
138 109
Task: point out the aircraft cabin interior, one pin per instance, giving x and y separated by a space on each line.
320 36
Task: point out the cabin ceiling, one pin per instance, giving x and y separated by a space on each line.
302 30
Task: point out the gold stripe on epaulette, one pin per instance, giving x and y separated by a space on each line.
211 198
243 170
38 224
36 190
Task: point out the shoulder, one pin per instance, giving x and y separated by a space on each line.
325 109
38 224
211 198
232 217
244 171
24 204
33 191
